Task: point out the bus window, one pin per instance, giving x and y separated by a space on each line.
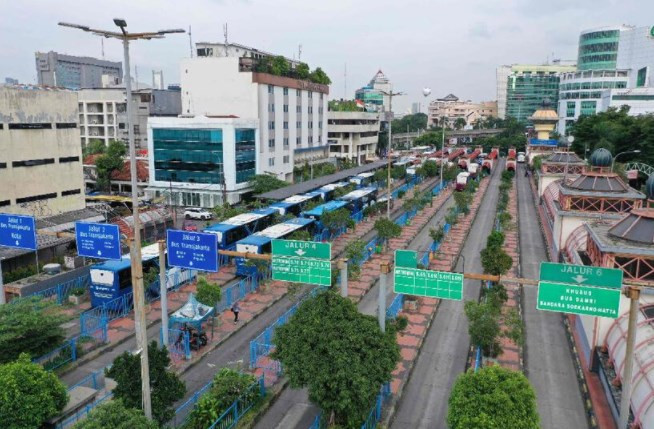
125 278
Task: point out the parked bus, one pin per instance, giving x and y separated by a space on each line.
462 180
113 279
261 242
360 199
317 212
327 191
235 228
363 179
295 204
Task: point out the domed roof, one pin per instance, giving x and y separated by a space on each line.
601 158
649 187
545 114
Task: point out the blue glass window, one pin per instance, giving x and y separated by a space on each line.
245 155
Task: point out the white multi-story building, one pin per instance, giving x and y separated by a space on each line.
201 161
40 165
450 108
353 135
292 113
615 67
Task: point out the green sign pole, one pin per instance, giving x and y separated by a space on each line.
302 262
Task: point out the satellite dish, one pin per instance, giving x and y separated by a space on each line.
426 91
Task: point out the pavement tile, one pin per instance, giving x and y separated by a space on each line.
408 353
408 341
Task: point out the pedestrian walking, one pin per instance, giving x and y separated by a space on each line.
235 310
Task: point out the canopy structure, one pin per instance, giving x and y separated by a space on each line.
192 313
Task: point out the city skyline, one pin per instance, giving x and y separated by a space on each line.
457 56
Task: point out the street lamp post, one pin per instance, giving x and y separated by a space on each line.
135 245
627 152
388 150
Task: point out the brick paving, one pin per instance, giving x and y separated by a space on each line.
421 316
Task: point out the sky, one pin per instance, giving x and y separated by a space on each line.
450 46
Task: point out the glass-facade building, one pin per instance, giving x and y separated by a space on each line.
527 90
598 50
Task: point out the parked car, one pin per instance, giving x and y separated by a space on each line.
197 213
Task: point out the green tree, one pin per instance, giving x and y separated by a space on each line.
94 147
228 385
387 229
262 183
337 220
450 172
165 386
302 235
29 325
114 414
29 395
430 138
495 261
208 293
319 76
437 234
430 168
226 211
492 397
483 327
279 66
339 354
459 123
343 106
354 251
109 162
302 71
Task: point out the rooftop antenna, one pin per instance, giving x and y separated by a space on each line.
226 39
190 41
299 52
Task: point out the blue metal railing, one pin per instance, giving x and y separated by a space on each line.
242 405
70 421
239 290
375 414
179 343
396 306
63 290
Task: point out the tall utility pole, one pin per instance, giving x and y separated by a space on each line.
135 244
442 147
389 146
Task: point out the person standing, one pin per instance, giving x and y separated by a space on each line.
236 309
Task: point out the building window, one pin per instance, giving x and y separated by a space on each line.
271 162
285 108
4 203
271 125
319 138
62 125
298 124
298 109
310 139
297 92
641 77
320 124
68 159
321 95
33 162
286 142
285 125
245 155
271 107
30 126
298 141
310 94
36 198
121 126
310 109
310 124
137 129
71 192
271 143
570 109
588 107
3 165
270 89
285 91
287 158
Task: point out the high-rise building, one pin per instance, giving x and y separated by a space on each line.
68 71
415 108
522 88
103 113
615 69
374 95
41 165
448 109
353 135
292 112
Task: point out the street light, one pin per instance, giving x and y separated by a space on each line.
388 151
135 248
628 152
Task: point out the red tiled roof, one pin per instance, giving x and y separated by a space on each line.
124 173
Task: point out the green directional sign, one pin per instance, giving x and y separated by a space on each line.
406 258
432 284
581 275
567 298
302 262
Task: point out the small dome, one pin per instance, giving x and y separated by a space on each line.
649 187
601 158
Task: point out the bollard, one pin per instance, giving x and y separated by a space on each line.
342 265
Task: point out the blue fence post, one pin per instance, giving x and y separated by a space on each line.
187 346
73 352
262 386
105 327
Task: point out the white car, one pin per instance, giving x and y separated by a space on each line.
197 213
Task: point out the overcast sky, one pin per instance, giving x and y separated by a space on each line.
451 46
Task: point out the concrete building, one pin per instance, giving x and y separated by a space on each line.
103 113
68 71
202 161
451 108
522 88
373 95
292 113
353 135
235 50
615 69
415 108
41 165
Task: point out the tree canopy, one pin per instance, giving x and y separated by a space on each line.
226 211
337 219
492 397
95 146
411 123
208 292
166 387
387 229
29 325
110 161
29 395
262 183
339 354
114 414
344 106
319 76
